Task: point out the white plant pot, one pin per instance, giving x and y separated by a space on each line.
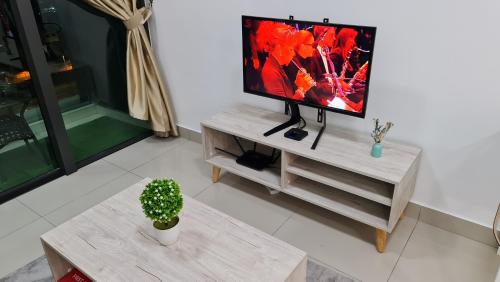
168 236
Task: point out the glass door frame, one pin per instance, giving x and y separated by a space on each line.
31 48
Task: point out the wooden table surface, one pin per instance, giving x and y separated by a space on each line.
339 147
112 242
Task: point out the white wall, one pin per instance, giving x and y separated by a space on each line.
435 74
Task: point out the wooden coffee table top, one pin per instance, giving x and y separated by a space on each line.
111 242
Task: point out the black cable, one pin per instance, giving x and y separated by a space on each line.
277 157
239 144
302 126
229 153
273 158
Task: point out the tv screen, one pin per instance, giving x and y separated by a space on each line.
315 64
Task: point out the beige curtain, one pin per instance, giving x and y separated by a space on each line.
147 96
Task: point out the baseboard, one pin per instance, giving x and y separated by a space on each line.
458 225
427 215
189 134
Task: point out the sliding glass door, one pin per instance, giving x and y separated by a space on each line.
63 90
25 149
85 50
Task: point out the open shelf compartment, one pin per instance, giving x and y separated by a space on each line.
340 175
221 150
351 182
347 204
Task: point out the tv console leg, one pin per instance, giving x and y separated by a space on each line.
380 240
215 174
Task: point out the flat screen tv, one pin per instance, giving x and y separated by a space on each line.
321 65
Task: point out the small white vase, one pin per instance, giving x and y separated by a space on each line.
168 236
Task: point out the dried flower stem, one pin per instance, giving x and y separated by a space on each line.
379 132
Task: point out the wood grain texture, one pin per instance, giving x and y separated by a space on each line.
59 266
215 174
402 194
300 272
366 187
340 148
340 175
380 240
341 202
112 242
286 160
270 178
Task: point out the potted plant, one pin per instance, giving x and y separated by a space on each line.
161 202
378 135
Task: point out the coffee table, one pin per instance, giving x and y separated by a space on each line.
111 242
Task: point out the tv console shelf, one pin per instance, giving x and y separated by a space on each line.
340 175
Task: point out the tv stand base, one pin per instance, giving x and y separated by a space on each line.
321 118
294 119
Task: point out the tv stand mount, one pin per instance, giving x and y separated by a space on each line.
294 119
321 118
293 109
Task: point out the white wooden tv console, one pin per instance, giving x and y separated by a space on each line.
340 175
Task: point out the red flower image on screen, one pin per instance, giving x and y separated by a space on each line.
315 64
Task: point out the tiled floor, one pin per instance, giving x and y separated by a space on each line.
415 252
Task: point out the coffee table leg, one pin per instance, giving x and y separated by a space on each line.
380 240
215 174
300 273
58 265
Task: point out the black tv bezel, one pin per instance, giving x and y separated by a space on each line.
361 114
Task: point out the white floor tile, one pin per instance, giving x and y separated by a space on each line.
184 164
433 254
345 244
22 246
55 194
14 215
248 202
143 151
91 199
192 147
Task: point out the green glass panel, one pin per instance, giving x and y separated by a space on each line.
25 151
86 50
